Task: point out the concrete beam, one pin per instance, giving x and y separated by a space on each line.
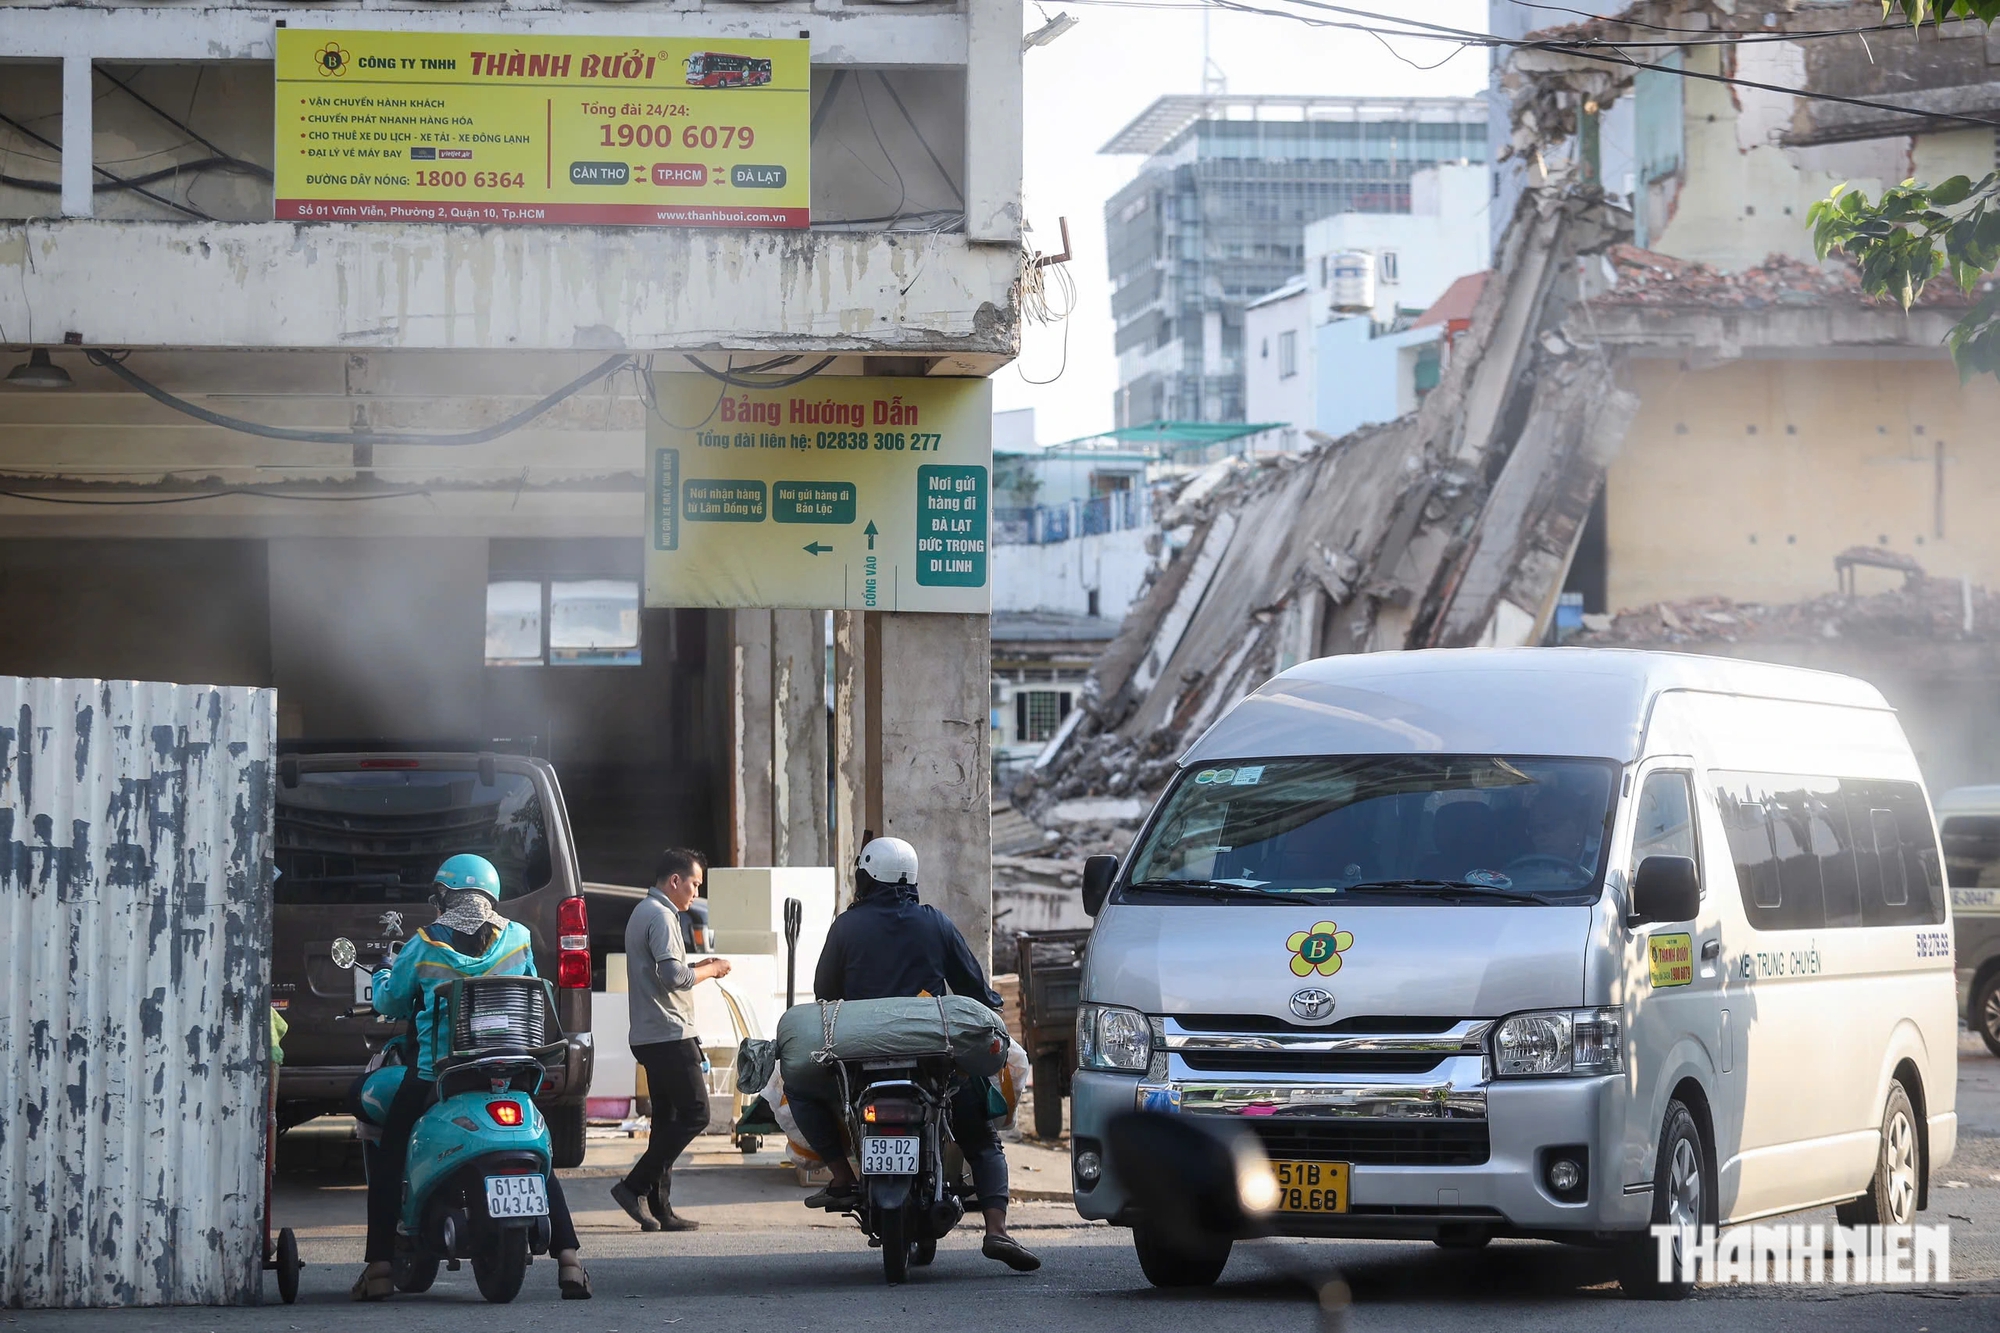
933 36
751 788
362 285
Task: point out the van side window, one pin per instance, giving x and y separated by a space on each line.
1665 818
1813 852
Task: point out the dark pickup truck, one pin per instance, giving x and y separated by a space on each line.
359 836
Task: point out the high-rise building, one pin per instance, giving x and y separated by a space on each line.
1217 214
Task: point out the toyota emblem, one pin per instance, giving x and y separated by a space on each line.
1312 1003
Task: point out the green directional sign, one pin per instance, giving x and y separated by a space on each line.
858 492
707 501
951 527
812 501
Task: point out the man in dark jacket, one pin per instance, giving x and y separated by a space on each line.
888 945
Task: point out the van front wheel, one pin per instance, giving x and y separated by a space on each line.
1986 1012
1892 1194
1683 1196
1170 1266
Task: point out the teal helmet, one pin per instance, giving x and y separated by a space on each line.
466 871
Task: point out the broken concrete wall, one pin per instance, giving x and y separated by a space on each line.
1453 525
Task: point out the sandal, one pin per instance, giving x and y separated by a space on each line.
1010 1252
575 1288
374 1284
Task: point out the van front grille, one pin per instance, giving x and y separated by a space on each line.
1310 1062
1375 1142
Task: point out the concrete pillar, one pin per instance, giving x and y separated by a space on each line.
850 747
798 739
930 765
78 137
993 108
750 742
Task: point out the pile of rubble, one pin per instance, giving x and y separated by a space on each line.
1925 609
1446 528
1646 278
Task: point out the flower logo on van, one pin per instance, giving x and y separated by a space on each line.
1319 949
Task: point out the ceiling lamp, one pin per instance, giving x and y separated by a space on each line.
38 372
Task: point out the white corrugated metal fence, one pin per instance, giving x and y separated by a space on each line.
135 926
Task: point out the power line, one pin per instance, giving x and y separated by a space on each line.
118 181
117 366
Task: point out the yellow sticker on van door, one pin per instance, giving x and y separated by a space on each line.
1671 958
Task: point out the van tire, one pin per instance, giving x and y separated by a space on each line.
1984 1011
1170 1266
566 1135
1683 1194
1898 1181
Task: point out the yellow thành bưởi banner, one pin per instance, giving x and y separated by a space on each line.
840 492
523 130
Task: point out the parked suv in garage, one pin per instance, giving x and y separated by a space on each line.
359 836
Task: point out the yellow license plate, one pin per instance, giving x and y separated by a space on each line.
1311 1187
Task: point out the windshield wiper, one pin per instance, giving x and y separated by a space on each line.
1219 887
1456 887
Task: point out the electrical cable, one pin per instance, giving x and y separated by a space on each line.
116 365
1591 51
928 151
178 169
730 377
119 181
221 152
861 89
252 492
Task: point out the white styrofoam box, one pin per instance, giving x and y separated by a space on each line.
746 909
615 1073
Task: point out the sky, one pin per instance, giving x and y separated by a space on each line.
1086 85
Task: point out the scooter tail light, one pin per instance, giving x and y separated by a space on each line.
506 1113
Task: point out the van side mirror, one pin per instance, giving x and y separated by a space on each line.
1666 888
1098 873
489 771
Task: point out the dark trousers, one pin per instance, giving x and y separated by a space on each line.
680 1110
391 1157
971 1128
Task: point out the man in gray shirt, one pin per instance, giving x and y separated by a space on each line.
663 1036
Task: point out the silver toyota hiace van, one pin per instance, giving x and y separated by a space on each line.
1557 943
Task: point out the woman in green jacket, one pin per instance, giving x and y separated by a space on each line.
469 939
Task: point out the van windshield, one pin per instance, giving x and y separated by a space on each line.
379 835
1417 828
1972 851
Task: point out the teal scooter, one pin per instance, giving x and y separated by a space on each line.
477 1183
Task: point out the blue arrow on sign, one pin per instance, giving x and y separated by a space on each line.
816 549
870 531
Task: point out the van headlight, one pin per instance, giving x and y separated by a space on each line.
1113 1038
1549 1042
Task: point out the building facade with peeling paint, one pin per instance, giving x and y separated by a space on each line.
401 565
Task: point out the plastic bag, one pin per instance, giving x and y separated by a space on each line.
1012 1078
781 1111
756 1062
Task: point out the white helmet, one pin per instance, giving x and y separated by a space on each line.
888 861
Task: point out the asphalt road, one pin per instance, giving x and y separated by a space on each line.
761 1264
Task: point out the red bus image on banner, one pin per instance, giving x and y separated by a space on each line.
714 69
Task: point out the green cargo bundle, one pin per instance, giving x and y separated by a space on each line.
812 1036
